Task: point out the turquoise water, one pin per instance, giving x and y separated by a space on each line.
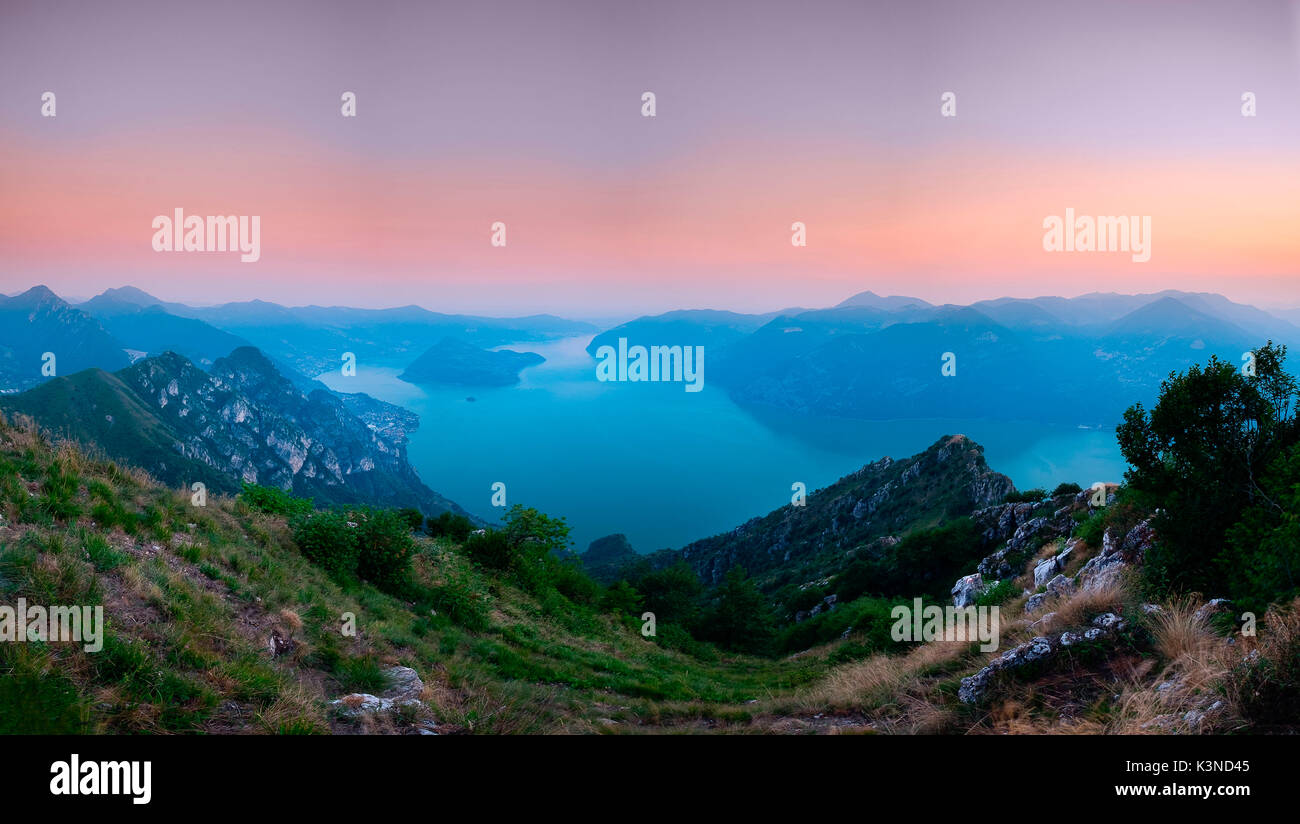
666 466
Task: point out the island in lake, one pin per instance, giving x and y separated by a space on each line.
454 362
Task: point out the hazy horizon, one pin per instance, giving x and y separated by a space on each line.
612 316
828 115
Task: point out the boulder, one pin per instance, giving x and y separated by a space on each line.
967 589
405 688
1045 570
1212 608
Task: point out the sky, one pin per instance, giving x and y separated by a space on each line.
767 113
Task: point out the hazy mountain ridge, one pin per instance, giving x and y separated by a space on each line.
1058 360
38 321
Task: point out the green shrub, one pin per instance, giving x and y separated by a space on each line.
412 518
447 525
621 597
384 549
998 594
490 549
1067 489
925 562
870 619
571 581
1091 528
1028 496
805 599
274 501
326 539
741 620
458 602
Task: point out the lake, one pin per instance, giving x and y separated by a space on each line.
665 466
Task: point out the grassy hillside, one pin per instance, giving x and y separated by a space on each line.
193 596
217 622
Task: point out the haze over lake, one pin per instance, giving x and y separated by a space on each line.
665 466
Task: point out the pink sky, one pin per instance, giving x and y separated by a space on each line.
829 115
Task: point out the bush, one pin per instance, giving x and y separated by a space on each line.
1265 544
1028 496
274 501
998 594
326 540
447 525
805 599
1266 687
459 603
1091 528
870 619
490 549
569 579
412 518
621 597
384 549
1067 489
925 562
672 594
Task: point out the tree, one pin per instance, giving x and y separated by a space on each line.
414 520
386 547
455 527
540 533
672 594
1265 543
621 597
1200 454
741 620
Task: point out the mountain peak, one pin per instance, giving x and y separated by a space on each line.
36 296
130 294
890 302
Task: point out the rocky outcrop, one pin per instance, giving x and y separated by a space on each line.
1039 650
1057 588
405 688
1118 553
967 590
828 603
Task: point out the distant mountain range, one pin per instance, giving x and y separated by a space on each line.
313 339
1063 360
38 321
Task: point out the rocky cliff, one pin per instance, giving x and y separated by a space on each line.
883 499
